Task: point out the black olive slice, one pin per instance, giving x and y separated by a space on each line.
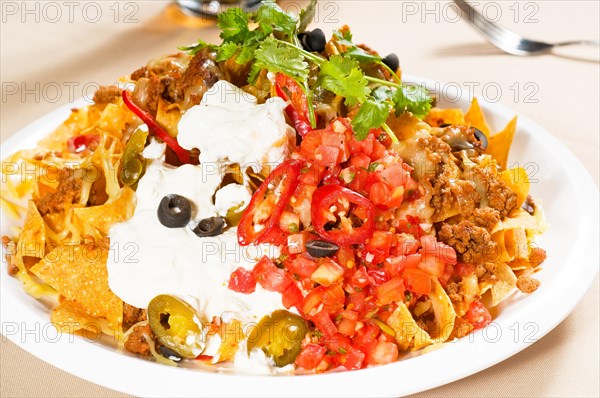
169 353
321 248
174 211
313 41
480 137
392 61
212 226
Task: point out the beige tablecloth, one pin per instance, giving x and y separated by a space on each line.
51 54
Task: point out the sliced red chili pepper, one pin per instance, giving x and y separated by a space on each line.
289 173
297 109
328 196
182 154
80 143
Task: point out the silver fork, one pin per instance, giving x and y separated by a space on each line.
509 41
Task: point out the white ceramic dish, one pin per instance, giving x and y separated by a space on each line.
570 200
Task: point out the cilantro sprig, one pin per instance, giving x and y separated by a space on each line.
273 46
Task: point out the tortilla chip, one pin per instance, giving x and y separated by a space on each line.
512 244
438 117
505 283
78 121
105 216
521 219
68 317
518 182
115 118
475 117
443 310
499 144
167 116
231 334
78 272
32 241
408 333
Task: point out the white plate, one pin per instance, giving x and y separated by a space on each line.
570 199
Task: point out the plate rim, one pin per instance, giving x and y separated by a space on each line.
336 384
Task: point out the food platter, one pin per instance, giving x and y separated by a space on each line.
570 200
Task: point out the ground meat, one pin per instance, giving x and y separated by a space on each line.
453 290
499 196
202 71
527 284
460 138
67 192
136 342
485 271
473 244
461 328
486 217
139 73
106 94
132 315
536 256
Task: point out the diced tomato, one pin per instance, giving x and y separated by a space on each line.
310 356
312 175
392 290
345 257
359 278
432 265
360 160
337 140
354 359
323 322
338 343
384 352
328 272
364 146
310 143
332 175
380 241
301 266
440 250
478 315
417 281
329 298
327 155
446 275
410 225
379 194
378 150
292 297
462 269
377 277
406 244
396 265
394 175
270 277
242 281
366 339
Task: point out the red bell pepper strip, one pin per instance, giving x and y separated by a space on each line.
182 154
330 195
297 109
289 173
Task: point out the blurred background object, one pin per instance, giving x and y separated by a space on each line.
212 8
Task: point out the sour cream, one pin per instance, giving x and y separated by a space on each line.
230 127
148 259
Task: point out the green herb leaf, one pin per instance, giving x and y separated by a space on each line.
271 17
226 51
276 58
414 99
196 48
352 50
372 114
307 15
343 76
234 25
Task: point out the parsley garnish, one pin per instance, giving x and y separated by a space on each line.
273 46
373 166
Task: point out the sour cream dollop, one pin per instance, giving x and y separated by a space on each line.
229 126
148 259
